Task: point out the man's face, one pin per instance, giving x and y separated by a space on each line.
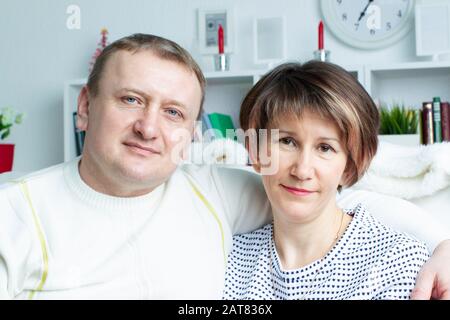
142 100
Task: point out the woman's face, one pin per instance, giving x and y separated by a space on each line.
312 160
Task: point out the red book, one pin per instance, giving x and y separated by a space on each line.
445 119
427 123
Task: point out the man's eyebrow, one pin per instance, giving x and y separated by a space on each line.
176 103
142 93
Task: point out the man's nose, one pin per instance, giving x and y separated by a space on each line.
148 124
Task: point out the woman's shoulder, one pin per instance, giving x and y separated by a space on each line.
252 241
256 236
373 233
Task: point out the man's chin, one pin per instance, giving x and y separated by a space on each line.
146 176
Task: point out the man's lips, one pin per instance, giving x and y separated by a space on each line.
296 191
141 149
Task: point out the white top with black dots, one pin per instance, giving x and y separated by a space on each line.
369 261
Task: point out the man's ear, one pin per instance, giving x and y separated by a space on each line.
83 109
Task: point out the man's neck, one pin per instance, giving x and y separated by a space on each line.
95 179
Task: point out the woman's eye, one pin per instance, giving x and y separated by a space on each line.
325 148
288 142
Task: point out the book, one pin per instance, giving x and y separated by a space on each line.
437 119
79 136
221 122
420 125
427 123
445 119
206 122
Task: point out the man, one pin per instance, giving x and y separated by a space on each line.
125 221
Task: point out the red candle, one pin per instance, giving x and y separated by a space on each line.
321 46
220 40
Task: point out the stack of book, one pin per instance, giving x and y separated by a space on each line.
435 121
217 124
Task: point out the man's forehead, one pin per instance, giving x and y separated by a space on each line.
132 69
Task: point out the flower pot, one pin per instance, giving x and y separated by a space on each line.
6 157
410 140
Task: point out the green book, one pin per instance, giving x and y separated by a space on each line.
437 119
221 122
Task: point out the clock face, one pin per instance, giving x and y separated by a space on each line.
368 23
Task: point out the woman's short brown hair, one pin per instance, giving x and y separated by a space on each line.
325 89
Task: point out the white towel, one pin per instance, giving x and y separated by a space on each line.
218 151
408 172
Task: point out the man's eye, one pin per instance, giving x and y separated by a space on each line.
130 100
174 113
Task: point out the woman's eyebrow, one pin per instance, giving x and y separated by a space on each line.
293 133
329 138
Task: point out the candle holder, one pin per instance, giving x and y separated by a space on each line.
222 62
322 55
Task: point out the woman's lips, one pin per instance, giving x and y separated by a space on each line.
297 192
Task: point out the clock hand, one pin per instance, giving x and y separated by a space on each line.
363 13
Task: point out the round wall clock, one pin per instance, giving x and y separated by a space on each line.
368 24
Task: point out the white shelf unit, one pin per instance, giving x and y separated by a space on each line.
408 83
226 90
411 83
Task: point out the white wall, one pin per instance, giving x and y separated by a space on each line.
38 53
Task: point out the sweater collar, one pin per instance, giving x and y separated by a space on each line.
103 201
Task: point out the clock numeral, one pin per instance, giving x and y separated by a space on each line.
357 26
344 17
372 32
339 2
400 13
388 26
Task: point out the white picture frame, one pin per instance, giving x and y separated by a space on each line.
269 40
208 26
432 29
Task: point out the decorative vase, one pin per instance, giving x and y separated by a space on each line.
6 157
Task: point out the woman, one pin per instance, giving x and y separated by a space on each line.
327 135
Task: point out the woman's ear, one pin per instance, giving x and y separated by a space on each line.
83 109
346 175
253 155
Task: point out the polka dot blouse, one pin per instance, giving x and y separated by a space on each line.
369 261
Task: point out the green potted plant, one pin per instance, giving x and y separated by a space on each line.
399 124
8 117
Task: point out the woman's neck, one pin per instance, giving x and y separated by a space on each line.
301 243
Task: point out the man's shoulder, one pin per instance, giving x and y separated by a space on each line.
209 175
49 173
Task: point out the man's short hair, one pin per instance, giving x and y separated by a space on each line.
324 89
163 48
